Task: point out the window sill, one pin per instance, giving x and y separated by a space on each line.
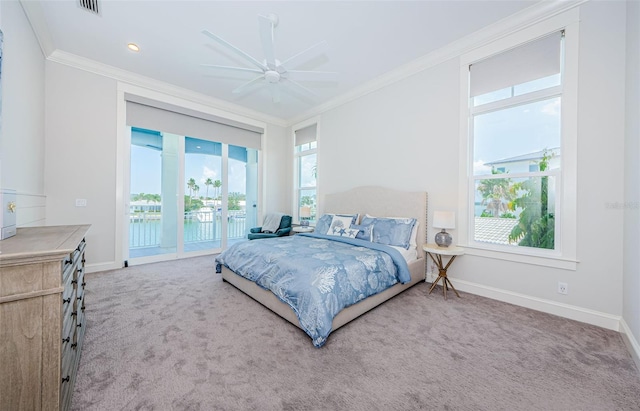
545 261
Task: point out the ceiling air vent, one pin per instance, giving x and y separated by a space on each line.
90 5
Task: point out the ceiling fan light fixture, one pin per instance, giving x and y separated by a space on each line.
271 71
272 76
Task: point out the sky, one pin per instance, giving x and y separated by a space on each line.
146 167
519 130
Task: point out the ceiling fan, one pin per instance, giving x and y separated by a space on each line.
271 71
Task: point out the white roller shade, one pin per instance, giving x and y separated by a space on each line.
306 135
535 60
155 115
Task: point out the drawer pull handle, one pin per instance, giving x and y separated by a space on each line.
73 314
74 345
66 379
74 281
64 340
80 298
82 308
83 284
79 325
66 300
67 261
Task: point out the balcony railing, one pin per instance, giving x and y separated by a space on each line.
145 228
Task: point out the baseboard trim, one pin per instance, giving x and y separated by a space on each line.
94 268
631 342
571 312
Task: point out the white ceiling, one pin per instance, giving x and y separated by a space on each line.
366 39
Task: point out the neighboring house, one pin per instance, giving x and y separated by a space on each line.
145 206
529 162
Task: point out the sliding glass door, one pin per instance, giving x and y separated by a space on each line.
242 196
152 206
203 205
189 196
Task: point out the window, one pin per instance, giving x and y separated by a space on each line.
515 100
519 143
306 173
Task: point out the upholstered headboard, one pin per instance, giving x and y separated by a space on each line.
382 202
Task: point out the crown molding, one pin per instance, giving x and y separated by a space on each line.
125 76
35 15
509 25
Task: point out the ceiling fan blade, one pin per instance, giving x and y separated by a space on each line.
305 55
301 75
275 92
235 49
302 89
267 26
232 68
247 86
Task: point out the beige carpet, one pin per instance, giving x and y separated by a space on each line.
173 336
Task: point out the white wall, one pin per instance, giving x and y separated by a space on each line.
277 171
22 133
81 155
406 135
81 159
631 268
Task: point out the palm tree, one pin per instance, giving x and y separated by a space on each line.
191 185
207 183
497 194
196 189
217 184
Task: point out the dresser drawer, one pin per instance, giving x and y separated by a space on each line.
67 375
67 269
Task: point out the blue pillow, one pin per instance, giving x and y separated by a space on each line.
323 224
391 231
364 232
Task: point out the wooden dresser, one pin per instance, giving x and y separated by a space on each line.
41 316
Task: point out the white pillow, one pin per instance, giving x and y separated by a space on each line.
344 232
339 224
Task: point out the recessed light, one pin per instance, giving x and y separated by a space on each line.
133 47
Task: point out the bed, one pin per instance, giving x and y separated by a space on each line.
372 201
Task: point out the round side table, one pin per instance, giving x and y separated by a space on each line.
302 229
436 252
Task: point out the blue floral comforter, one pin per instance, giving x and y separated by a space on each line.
317 275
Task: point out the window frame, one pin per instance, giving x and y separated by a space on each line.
297 156
564 254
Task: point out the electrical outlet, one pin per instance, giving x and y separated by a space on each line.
81 202
563 288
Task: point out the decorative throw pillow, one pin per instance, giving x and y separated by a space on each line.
339 224
364 231
343 232
323 224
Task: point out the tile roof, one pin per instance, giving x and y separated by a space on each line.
494 230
